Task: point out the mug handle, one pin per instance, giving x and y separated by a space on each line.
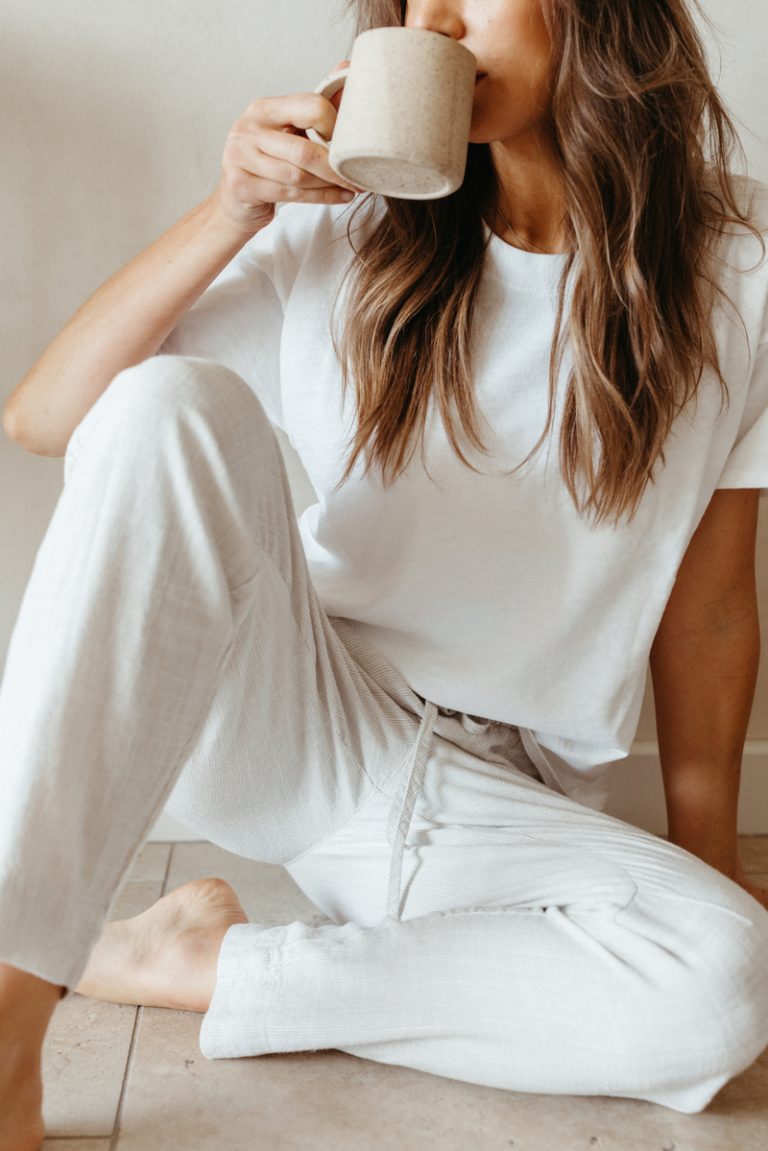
328 87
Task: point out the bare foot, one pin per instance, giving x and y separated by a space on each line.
167 956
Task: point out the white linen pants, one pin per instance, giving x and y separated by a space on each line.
486 928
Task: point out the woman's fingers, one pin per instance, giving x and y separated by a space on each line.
269 159
291 160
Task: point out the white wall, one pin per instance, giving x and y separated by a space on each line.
112 124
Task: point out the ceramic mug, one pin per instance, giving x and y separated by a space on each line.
403 126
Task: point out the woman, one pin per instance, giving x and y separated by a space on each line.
451 649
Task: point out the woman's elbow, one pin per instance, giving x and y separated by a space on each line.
20 433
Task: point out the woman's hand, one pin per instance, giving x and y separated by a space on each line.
758 893
269 159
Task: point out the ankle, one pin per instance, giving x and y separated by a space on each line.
26 1006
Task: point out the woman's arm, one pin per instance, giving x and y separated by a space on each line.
704 665
267 159
123 323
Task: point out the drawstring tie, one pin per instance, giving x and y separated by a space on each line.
405 797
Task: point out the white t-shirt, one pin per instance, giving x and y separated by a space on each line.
489 593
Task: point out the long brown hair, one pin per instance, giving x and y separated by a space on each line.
633 109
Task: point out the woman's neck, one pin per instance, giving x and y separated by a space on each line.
532 210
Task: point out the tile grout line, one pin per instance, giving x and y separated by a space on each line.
124 1086
171 846
115 1136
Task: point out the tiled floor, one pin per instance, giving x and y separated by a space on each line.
127 1079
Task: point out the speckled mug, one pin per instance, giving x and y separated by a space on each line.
403 126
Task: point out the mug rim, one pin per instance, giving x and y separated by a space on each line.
447 43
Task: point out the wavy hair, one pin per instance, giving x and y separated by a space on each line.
644 141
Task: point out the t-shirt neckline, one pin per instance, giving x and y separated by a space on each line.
533 271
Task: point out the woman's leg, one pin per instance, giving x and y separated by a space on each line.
26 1006
123 631
544 947
169 637
169 622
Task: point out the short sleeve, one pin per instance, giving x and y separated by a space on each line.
238 321
747 464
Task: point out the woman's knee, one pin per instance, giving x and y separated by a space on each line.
737 979
716 1009
144 402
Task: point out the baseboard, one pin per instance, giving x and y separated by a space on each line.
169 830
638 792
637 795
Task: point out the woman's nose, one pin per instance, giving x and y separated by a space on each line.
435 16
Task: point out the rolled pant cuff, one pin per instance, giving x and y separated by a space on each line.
249 985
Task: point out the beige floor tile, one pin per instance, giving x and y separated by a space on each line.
136 897
265 890
87 1045
753 851
331 1101
151 862
84 1060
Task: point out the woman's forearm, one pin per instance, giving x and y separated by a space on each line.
704 665
267 159
702 809
123 323
703 705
